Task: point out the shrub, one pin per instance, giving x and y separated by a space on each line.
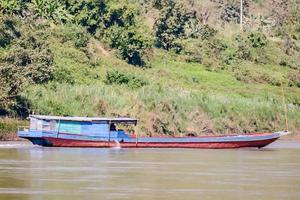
289 45
50 9
171 24
8 30
228 56
71 33
206 32
294 78
11 6
231 10
88 14
252 47
243 52
130 43
257 39
122 78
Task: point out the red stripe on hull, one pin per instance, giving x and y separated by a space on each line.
58 142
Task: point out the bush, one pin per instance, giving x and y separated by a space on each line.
243 52
72 33
257 39
212 53
130 43
88 14
8 30
252 47
171 24
206 32
294 78
231 10
50 9
122 78
11 6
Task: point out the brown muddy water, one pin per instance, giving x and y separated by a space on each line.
33 172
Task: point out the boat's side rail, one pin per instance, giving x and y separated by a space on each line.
23 128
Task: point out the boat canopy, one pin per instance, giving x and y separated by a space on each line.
108 120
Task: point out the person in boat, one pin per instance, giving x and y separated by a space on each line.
113 127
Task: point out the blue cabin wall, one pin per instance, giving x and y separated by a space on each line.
95 129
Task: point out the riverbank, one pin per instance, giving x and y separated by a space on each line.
9 127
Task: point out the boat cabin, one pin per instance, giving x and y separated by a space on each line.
41 125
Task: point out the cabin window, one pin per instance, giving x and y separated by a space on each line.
70 127
39 125
33 124
53 125
94 128
46 125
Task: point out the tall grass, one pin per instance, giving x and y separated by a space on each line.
162 110
9 127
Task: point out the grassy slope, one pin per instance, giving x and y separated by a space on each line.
180 97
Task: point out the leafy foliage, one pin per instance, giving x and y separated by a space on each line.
170 27
116 24
251 47
88 13
28 61
73 34
11 6
50 9
121 31
231 10
8 30
257 39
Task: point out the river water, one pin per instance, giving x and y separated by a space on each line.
33 172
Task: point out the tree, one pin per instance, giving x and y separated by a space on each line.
122 31
28 61
54 10
171 24
116 24
88 13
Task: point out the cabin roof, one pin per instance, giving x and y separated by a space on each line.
123 120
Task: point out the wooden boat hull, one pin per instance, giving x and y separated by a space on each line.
215 142
57 142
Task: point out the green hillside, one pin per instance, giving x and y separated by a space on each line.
181 67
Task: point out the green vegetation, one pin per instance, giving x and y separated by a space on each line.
116 77
180 67
8 127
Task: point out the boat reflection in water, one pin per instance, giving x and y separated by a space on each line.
102 132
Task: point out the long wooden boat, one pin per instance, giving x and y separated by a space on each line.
56 131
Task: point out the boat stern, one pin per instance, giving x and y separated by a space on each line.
36 137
